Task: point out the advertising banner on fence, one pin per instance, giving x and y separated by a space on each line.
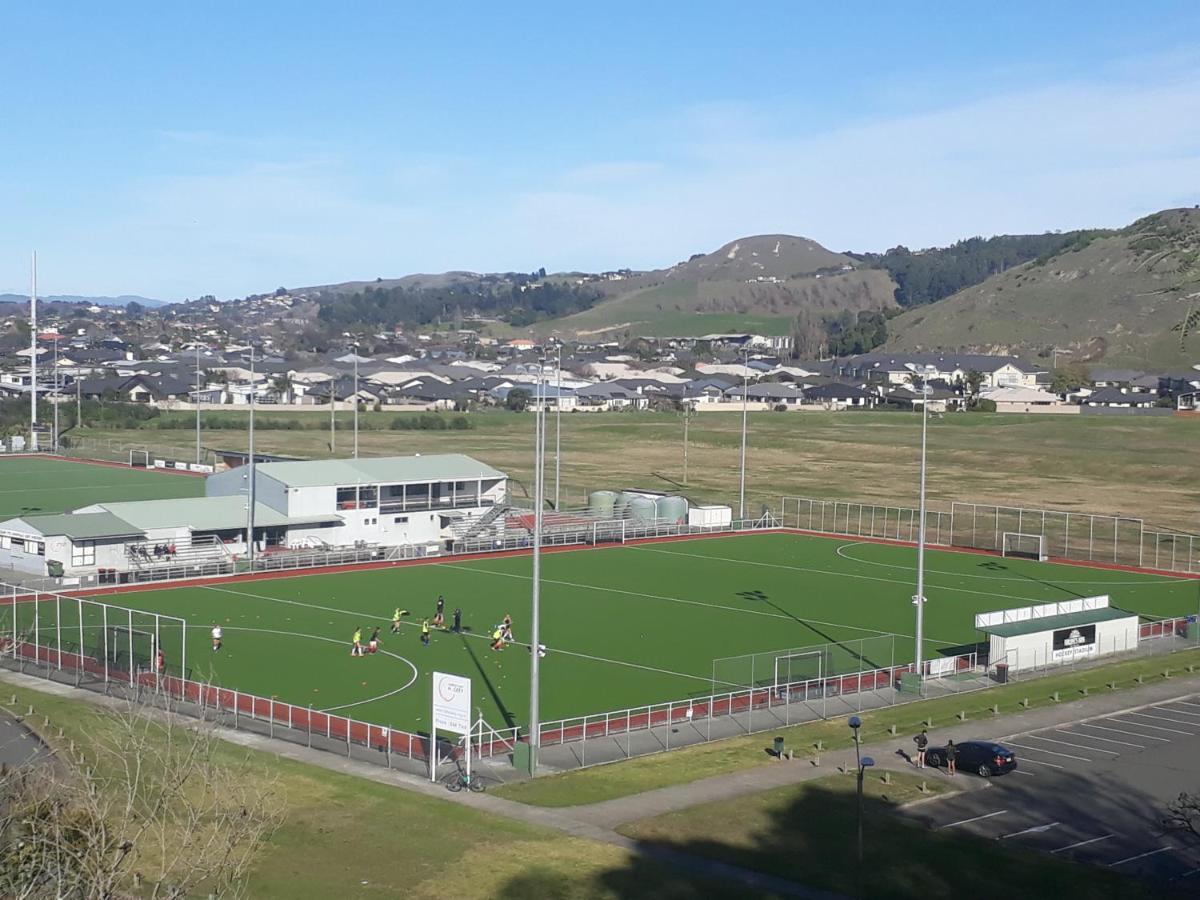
451 703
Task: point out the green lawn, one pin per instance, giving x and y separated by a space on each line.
624 625
47 485
807 833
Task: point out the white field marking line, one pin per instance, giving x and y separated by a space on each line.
1034 829
619 662
999 812
1038 737
1190 873
1121 862
319 637
1137 734
750 562
734 609
1155 727
1051 752
1164 719
1038 762
1095 840
1095 737
1158 579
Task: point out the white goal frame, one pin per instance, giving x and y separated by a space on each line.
780 685
145 457
1039 539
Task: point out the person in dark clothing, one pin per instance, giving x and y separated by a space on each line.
922 742
951 757
457 620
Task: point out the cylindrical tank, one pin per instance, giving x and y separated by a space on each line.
641 509
620 506
600 504
673 510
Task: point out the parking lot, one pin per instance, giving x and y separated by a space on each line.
1090 789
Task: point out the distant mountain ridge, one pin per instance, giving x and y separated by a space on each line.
122 300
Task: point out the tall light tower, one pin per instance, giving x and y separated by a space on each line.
535 630
745 408
54 446
557 420
924 373
356 400
33 351
197 403
250 473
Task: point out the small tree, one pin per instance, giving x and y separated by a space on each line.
1183 814
517 399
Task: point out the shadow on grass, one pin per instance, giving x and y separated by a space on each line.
509 719
806 838
863 661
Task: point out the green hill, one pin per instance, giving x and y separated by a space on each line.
1106 299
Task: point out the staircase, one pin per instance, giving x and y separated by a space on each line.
472 528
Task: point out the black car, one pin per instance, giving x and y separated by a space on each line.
984 757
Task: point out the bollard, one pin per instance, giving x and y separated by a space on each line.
892 730
929 722
995 709
819 747
1054 696
887 777
30 713
1025 703
816 761
1191 669
1141 679
1166 673
924 789
13 701
1112 685
962 715
1084 691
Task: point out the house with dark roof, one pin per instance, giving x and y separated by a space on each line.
834 395
596 397
1118 398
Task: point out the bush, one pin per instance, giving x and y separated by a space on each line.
982 405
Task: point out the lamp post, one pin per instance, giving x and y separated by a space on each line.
557 418
55 439
33 352
356 400
535 632
197 404
250 473
745 409
862 763
924 373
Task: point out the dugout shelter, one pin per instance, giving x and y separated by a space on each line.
1049 634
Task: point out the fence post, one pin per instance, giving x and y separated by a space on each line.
310 725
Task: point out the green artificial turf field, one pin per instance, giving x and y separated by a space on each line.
624 626
47 485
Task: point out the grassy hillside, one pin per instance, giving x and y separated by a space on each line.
1108 301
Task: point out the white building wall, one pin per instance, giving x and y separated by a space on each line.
1036 650
312 501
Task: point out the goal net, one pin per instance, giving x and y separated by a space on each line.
139 459
1026 546
129 649
796 668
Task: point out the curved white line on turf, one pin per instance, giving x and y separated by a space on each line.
1157 579
321 637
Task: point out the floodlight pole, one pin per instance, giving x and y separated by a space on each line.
55 444
332 418
197 403
250 473
356 400
557 421
687 418
918 655
535 636
33 347
745 410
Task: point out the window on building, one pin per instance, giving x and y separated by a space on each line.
41 549
368 497
83 553
400 520
347 498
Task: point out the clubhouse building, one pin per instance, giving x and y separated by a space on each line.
386 502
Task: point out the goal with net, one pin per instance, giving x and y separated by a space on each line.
139 459
1026 546
129 649
796 668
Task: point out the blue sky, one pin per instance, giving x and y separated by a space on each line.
229 148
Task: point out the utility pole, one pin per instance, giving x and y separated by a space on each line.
535 631
78 400
250 473
55 445
33 348
332 418
924 372
687 418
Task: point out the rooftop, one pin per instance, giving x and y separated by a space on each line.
378 470
1053 623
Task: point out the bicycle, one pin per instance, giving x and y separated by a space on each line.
459 779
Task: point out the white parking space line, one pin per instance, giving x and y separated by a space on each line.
1138 734
1036 829
1037 762
998 812
1095 840
1121 862
1177 712
1164 719
1186 703
1155 727
1051 752
1038 737
1026 774
1096 737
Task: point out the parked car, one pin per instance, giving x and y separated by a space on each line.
983 757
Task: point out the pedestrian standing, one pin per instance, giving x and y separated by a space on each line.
951 757
457 620
922 742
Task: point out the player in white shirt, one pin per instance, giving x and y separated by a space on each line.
216 636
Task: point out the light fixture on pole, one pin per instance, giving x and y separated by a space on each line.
745 411
924 373
535 631
356 400
862 763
